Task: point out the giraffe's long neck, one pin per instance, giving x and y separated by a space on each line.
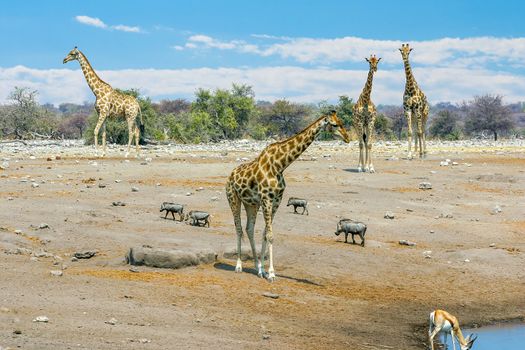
94 82
410 85
364 98
286 152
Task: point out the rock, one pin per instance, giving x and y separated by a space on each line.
73 259
35 185
443 163
214 199
101 185
144 341
134 269
118 181
43 226
112 321
119 204
17 331
86 254
43 319
445 216
4 165
408 243
164 258
56 273
425 186
188 193
431 231
492 245
199 189
389 215
467 260
266 336
271 295
496 210
134 189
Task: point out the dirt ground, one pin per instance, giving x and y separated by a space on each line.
332 295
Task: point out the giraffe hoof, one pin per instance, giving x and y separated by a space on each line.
359 169
126 155
371 170
238 269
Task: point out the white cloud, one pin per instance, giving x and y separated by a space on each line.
128 29
91 21
97 22
294 83
445 52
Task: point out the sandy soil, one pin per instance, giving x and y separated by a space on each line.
332 295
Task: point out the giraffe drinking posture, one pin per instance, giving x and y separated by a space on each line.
415 105
109 102
364 119
261 183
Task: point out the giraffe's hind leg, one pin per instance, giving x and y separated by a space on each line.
361 165
137 140
235 206
251 216
131 134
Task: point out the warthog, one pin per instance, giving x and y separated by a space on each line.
353 227
298 202
172 208
197 216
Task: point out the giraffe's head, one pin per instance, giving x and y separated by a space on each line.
332 123
405 50
72 55
373 61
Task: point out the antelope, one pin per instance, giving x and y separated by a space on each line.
443 322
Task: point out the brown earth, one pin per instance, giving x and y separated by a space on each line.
332 295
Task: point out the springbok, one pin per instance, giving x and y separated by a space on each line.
443 322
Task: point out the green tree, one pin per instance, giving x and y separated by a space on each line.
445 125
383 127
284 118
229 111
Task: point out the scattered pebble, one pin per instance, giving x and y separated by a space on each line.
389 215
43 319
425 186
119 204
214 199
112 321
134 189
43 226
271 295
56 273
35 185
87 254
492 245
496 210
408 243
467 260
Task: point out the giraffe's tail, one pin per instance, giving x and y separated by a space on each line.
141 122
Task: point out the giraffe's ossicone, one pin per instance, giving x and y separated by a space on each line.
260 183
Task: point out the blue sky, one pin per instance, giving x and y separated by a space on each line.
300 50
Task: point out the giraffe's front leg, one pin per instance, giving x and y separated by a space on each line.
104 140
408 115
268 210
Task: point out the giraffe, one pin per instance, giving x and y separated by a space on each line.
260 183
364 117
109 102
415 105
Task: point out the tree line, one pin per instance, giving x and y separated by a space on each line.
234 113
